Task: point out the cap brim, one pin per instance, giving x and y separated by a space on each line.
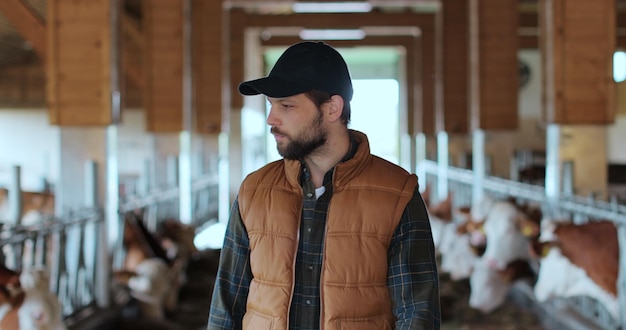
272 87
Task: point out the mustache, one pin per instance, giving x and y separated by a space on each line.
275 130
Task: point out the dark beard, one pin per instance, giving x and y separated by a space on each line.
301 148
305 143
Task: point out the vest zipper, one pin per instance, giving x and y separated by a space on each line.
330 201
293 267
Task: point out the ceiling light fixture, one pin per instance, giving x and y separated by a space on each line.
332 7
329 34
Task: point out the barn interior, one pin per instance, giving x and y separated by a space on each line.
114 110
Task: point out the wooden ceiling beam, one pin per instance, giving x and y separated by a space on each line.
27 22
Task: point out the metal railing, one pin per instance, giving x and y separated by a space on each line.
68 246
579 209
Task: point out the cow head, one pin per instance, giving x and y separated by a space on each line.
505 241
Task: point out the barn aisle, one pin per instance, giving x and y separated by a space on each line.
516 313
513 314
195 296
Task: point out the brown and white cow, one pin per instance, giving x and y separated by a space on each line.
453 244
489 287
34 206
177 239
27 303
579 260
147 272
500 227
501 239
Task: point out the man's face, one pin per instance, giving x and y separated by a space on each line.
297 125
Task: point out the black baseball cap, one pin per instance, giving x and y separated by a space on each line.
303 67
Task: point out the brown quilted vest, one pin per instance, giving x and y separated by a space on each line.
369 196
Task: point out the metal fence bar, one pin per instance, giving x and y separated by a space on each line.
580 209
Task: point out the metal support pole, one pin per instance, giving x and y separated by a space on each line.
15 196
553 168
478 165
443 161
146 179
420 155
568 178
91 184
185 209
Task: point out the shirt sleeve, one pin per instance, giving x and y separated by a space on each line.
413 277
228 303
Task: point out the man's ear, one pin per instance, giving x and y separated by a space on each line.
335 107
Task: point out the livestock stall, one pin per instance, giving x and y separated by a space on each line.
573 311
73 251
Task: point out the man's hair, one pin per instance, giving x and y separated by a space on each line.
320 97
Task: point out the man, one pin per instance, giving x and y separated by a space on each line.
330 236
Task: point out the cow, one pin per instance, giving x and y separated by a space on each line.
452 246
27 303
489 287
9 284
452 242
147 271
150 284
440 216
35 205
500 235
457 255
586 259
178 241
502 226
473 229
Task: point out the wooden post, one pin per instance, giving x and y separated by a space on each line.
577 42
163 65
453 116
81 63
208 68
493 64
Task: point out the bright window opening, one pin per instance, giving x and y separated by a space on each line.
619 66
374 112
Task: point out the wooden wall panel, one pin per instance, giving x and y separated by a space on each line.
208 70
22 86
79 62
453 117
577 56
493 64
163 65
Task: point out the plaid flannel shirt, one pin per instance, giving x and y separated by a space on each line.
412 274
